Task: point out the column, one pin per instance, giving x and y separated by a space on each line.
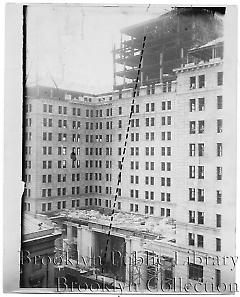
85 245
161 66
69 232
127 259
182 57
141 73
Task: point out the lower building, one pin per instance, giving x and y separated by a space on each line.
38 247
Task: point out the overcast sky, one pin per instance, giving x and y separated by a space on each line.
71 44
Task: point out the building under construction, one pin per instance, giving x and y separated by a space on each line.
147 177
168 39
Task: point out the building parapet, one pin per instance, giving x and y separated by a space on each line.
198 65
158 88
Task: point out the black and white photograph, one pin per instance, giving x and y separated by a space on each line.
120 153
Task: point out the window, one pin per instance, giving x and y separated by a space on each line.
201 149
169 105
192 82
152 107
44 135
44 207
192 149
191 171
219 102
73 203
163 151
162 212
119 205
119 151
163 105
163 121
151 210
219 149
201 104
49 206
192 125
192 105
200 218
195 272
220 78
44 122
163 135
169 135
219 126
169 151
201 172
191 239
152 195
218 245
219 197
200 127
59 109
217 277
191 216
219 173
44 150
44 192
131 193
131 207
147 107
168 181
191 194
200 195
119 110
200 241
218 220
169 120
163 166
44 107
201 81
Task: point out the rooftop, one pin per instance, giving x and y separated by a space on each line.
138 224
34 228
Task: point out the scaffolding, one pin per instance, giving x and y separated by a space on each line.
168 39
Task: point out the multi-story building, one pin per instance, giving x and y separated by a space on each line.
162 153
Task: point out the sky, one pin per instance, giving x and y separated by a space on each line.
70 44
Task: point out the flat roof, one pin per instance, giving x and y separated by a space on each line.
34 228
163 227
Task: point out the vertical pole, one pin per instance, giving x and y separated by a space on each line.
182 56
141 73
213 53
114 67
124 76
161 67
